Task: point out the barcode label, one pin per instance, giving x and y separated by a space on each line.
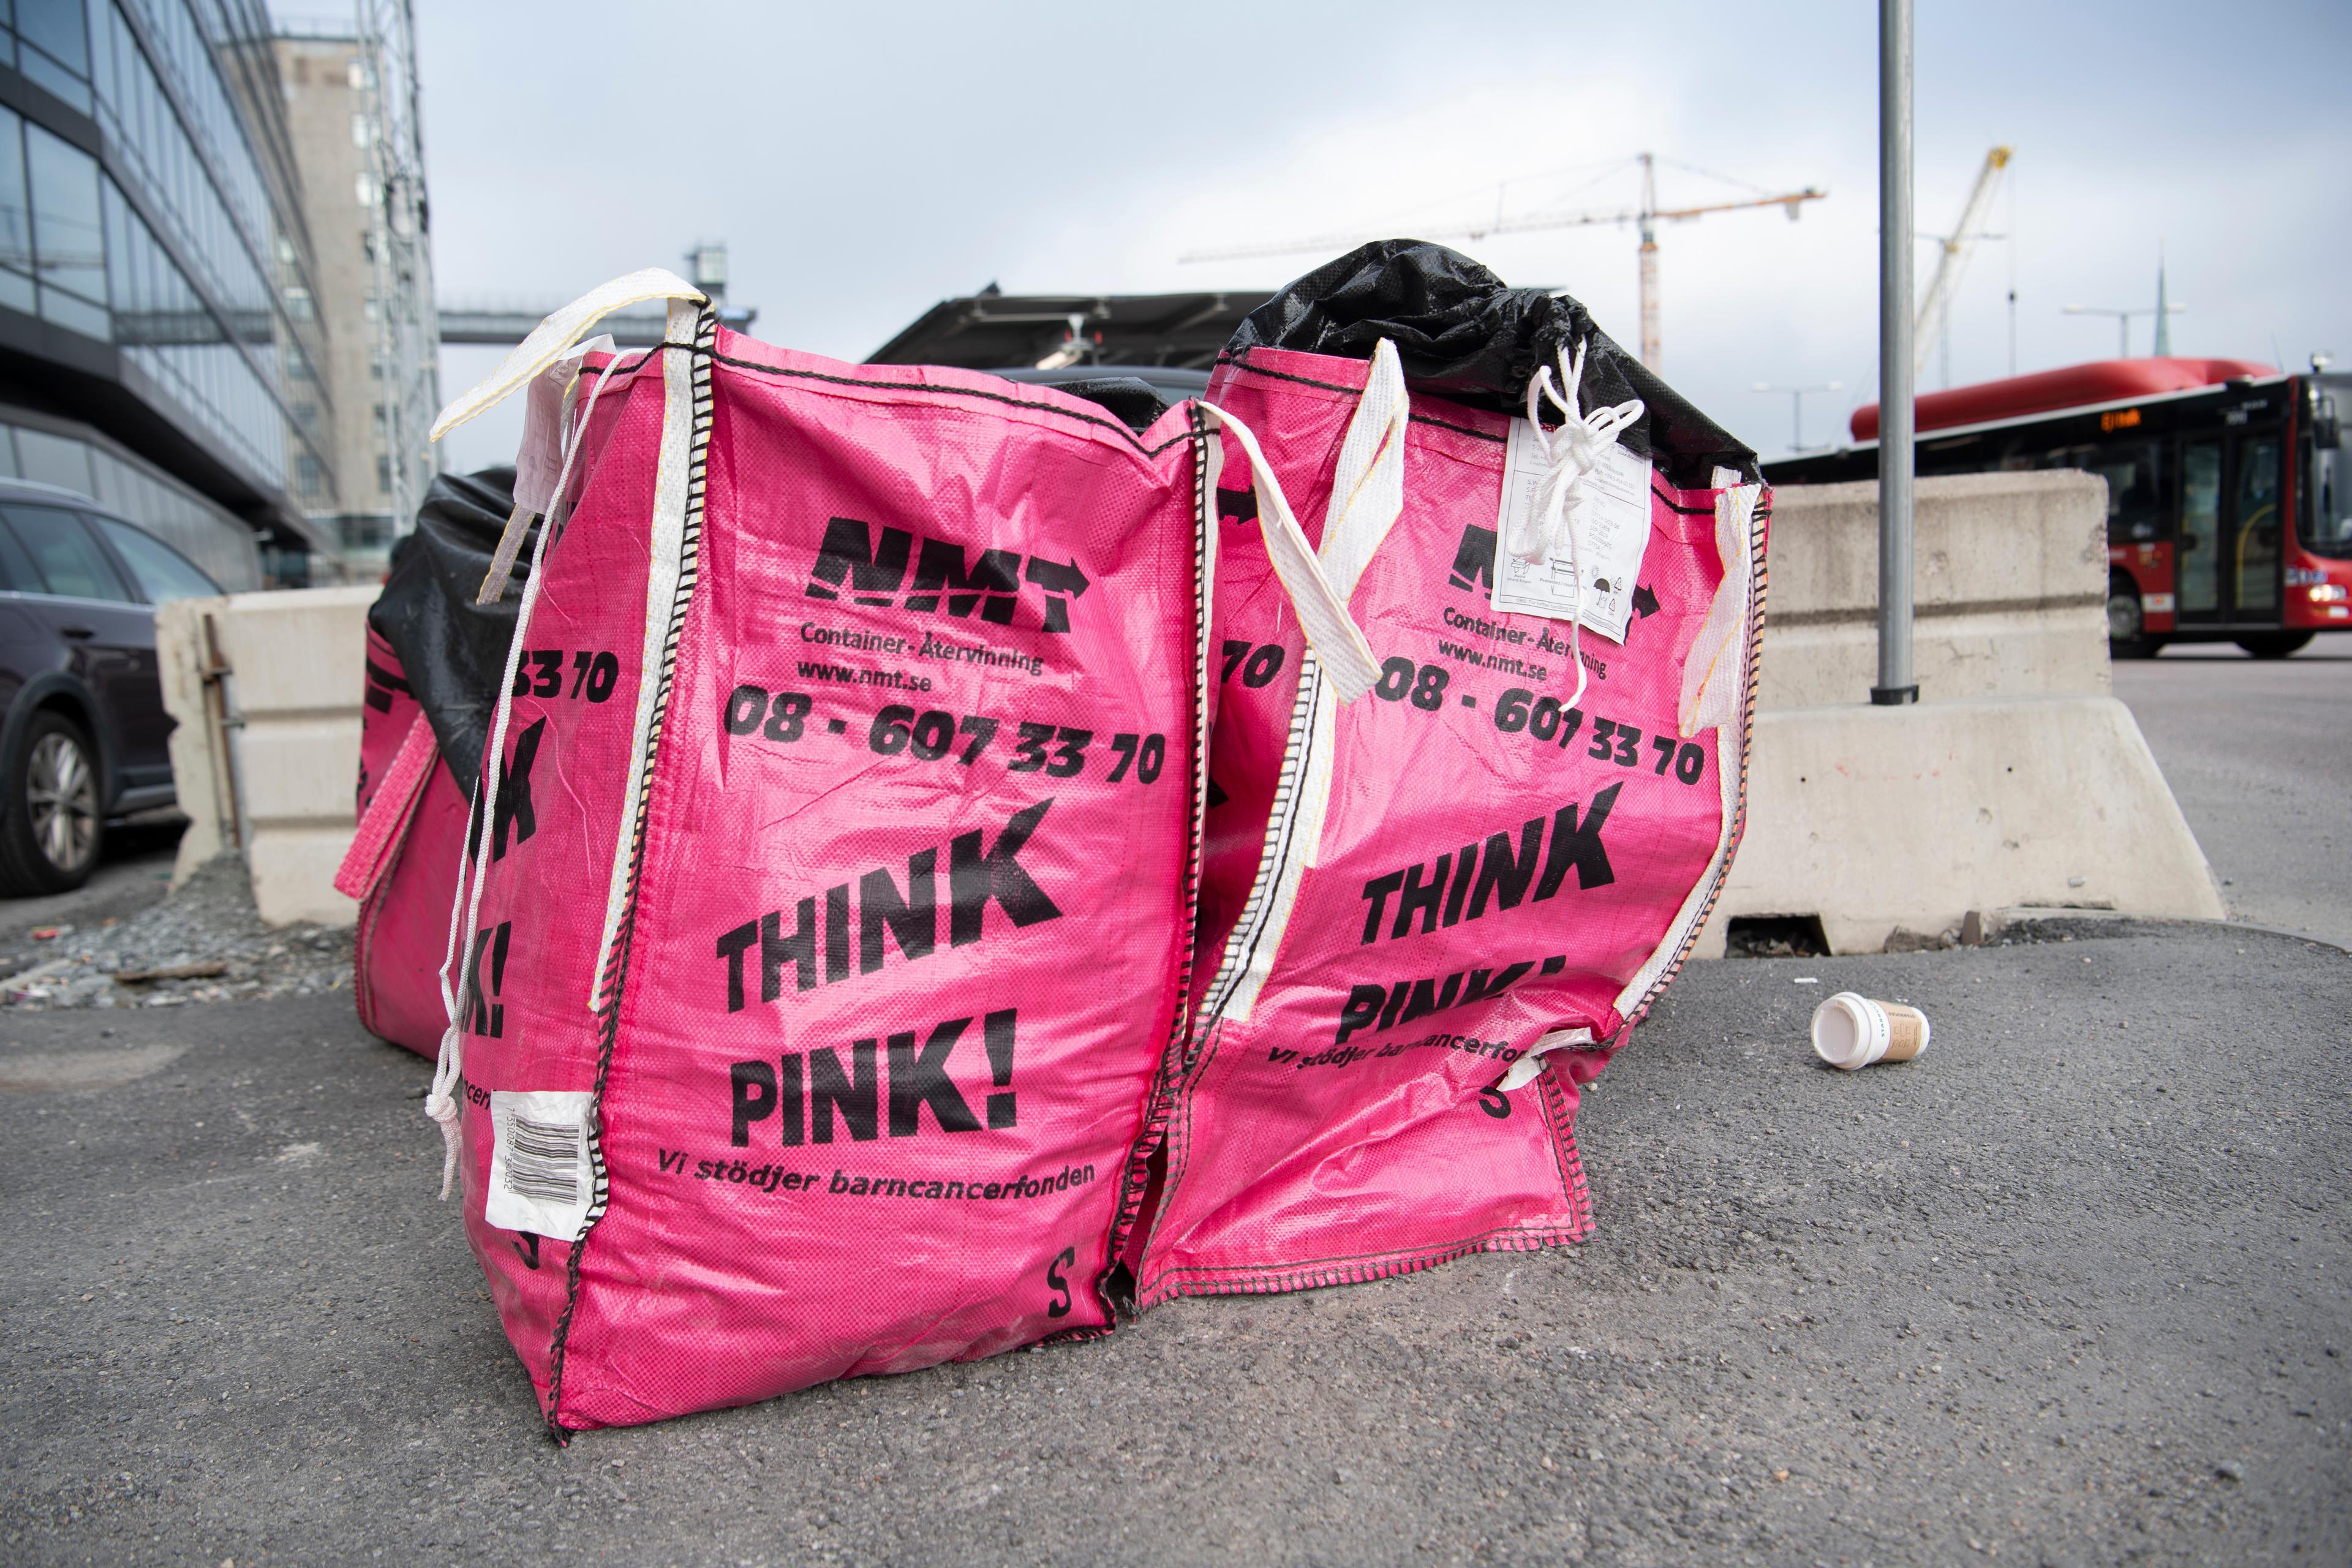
543 1161
539 1177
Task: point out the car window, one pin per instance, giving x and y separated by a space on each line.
17 573
64 551
162 573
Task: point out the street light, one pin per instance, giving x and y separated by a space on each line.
1797 406
2124 320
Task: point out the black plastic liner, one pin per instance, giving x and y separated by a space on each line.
453 650
1463 335
1133 401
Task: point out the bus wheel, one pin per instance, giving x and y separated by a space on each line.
2126 630
2276 645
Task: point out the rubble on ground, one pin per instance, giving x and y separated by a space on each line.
204 944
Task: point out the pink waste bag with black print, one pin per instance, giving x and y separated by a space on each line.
858 955
1414 906
811 971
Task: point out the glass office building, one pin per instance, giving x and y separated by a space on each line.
155 303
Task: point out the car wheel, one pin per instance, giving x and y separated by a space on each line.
2126 626
51 825
2277 644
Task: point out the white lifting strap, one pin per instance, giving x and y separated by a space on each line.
550 342
1367 495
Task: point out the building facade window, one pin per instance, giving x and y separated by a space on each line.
73 251
50 43
171 245
166 330
69 233
216 207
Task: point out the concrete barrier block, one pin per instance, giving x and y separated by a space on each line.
196 759
2010 593
299 769
304 652
269 759
293 869
1879 819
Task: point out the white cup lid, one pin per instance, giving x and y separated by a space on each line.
1843 1030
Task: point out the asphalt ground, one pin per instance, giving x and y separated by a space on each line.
2259 754
133 872
2067 1290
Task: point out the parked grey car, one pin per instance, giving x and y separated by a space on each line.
84 733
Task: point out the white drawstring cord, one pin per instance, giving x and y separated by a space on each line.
1570 454
440 1103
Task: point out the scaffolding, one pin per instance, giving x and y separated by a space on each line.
407 329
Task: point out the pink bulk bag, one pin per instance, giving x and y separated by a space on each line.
829 904
1409 904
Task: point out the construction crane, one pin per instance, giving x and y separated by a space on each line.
1646 217
1936 305
399 247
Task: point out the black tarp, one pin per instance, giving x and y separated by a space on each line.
1463 334
453 650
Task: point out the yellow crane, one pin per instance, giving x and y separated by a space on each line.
1646 216
1936 305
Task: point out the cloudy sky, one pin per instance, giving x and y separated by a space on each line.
864 161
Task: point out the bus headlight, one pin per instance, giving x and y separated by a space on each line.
2328 592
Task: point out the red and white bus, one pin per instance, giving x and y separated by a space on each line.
2229 488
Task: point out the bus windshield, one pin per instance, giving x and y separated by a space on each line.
2330 533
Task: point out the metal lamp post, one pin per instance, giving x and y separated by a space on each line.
1895 684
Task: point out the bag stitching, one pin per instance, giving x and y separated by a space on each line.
616 985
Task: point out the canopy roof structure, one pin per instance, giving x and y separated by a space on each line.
994 331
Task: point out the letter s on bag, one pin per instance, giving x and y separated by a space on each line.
1060 1305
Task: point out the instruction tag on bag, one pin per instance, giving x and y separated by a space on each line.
1610 515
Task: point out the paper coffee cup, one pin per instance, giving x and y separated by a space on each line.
1851 1031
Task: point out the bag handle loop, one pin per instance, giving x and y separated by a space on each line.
1367 497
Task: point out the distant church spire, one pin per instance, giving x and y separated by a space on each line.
2163 311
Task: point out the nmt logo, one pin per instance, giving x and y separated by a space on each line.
870 571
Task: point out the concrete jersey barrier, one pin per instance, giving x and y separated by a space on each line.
2016 780
2012 589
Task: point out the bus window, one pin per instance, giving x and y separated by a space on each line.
2135 501
2197 581
2135 506
2255 583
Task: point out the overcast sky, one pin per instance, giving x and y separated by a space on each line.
864 161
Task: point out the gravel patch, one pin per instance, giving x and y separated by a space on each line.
205 943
